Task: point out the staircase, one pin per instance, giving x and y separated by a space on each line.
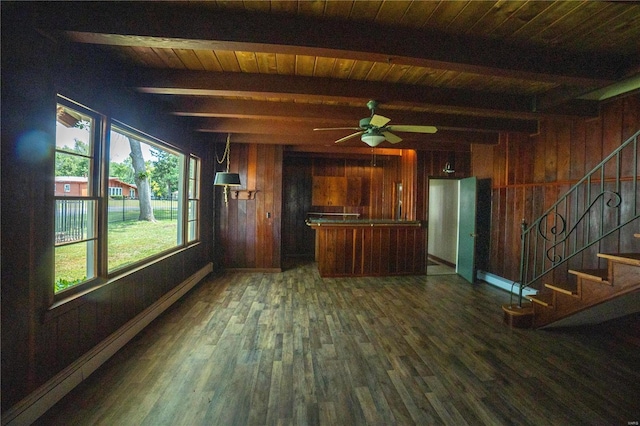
604 205
591 289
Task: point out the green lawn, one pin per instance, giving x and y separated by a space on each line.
128 242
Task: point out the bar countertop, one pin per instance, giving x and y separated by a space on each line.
361 222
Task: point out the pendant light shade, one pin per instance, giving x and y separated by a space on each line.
226 178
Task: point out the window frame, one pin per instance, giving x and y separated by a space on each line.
93 195
100 193
122 128
196 197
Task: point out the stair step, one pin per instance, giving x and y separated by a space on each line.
636 235
564 289
541 299
626 258
518 316
599 275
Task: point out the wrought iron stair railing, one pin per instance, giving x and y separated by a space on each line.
599 204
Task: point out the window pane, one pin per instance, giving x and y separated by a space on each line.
194 196
74 264
75 235
72 176
193 189
145 188
193 220
193 209
192 168
75 220
193 231
74 151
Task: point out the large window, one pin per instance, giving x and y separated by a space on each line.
151 224
75 199
122 198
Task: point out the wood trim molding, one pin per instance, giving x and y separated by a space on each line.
46 396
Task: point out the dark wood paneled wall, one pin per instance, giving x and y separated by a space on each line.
297 237
37 342
531 172
378 183
249 231
378 177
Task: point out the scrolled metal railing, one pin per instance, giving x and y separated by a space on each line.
599 204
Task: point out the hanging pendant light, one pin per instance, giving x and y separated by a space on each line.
226 179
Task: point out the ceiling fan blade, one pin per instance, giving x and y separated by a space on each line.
379 120
390 137
339 128
353 135
414 129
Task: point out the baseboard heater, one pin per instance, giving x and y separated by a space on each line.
503 283
46 396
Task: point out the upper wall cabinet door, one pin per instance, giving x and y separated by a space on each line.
336 191
329 191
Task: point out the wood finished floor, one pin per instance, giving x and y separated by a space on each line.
292 348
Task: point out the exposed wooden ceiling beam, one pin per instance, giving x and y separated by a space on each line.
201 83
168 26
340 115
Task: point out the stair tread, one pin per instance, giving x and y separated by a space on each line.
636 235
627 258
563 288
592 274
541 299
525 309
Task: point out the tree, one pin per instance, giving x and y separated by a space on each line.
123 171
165 172
141 177
73 165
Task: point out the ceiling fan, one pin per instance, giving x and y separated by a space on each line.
373 130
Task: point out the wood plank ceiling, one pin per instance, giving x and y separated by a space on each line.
271 71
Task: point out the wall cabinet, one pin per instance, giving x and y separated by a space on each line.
330 191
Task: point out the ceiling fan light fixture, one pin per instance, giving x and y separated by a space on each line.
372 140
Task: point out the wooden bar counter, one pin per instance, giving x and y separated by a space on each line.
348 248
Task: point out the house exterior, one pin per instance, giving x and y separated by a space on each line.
73 186
118 188
45 334
70 186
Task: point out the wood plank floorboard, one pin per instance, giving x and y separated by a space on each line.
292 348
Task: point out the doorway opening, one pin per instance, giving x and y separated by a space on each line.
442 248
459 225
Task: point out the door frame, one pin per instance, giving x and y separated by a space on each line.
428 204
